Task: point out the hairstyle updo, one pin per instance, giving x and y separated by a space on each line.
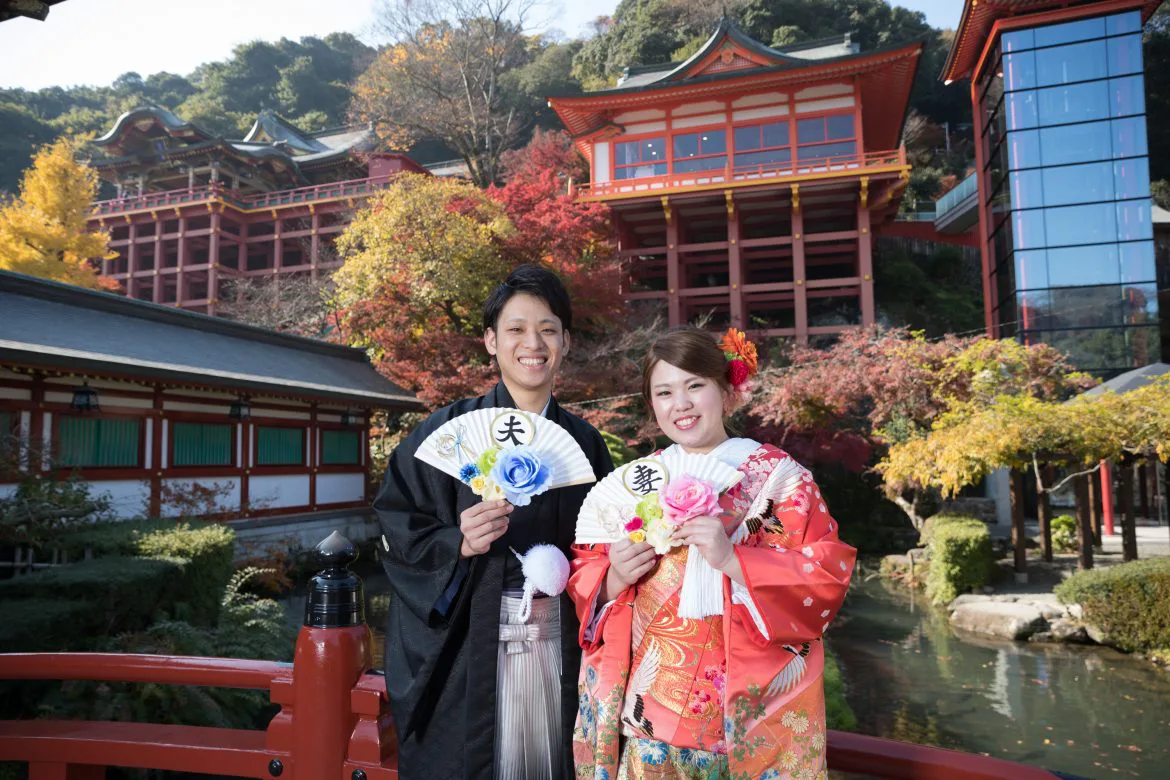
692 349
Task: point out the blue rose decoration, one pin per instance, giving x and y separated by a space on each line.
521 475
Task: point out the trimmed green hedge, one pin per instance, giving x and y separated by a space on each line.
961 558
1129 602
1064 533
208 549
126 593
35 625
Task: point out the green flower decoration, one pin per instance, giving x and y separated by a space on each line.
648 508
488 459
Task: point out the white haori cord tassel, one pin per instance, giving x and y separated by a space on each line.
545 569
702 588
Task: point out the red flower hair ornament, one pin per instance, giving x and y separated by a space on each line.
742 364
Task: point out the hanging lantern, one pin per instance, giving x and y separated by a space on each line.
85 399
240 409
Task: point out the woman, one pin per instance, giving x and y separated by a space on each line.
738 693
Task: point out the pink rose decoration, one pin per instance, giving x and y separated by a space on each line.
634 524
687 497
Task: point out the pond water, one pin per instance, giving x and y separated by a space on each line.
1087 711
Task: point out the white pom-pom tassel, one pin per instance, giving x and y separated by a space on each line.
702 588
546 569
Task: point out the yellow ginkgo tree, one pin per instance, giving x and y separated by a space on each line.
43 230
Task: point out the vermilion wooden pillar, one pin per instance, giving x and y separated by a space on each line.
132 263
213 262
180 262
156 438
315 244
673 275
156 290
1107 497
734 265
799 293
865 264
981 181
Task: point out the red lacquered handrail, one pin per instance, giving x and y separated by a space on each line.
164 669
894 760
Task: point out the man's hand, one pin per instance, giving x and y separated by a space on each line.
481 525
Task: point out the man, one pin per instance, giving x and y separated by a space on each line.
471 696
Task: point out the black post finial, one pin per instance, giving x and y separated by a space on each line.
336 598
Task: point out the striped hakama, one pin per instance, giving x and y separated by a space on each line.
528 691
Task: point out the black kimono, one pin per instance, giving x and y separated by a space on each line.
442 635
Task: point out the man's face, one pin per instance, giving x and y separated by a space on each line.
528 342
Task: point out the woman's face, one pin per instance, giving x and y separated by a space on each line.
689 408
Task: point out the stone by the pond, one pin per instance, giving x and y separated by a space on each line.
1065 630
997 618
967 598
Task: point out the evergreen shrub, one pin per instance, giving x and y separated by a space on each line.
208 549
124 593
33 625
961 557
1129 602
1064 533
838 714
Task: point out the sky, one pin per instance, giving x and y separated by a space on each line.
95 41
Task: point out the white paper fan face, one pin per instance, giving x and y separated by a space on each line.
610 503
460 441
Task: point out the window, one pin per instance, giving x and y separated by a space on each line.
97 442
8 432
201 444
825 136
700 151
762 144
635 159
280 446
340 448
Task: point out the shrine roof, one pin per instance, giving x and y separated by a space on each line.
731 62
62 326
271 138
10 9
980 16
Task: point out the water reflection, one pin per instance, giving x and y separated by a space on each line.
1082 710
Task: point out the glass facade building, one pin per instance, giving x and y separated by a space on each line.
1067 191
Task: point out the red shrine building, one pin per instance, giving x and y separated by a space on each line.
194 211
746 183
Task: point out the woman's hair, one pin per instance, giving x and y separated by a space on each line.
693 350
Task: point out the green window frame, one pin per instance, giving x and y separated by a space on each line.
201 444
280 446
99 442
340 448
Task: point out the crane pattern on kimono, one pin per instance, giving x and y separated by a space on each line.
792 672
633 714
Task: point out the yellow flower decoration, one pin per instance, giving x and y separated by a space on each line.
477 485
637 537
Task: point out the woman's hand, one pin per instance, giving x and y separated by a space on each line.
628 563
481 525
709 536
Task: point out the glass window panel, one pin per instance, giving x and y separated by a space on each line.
1128 22
1068 64
820 151
763 158
1129 137
1139 304
1125 55
1072 225
1023 149
653 149
1034 309
1074 103
1031 269
1127 95
1020 110
1137 262
1088 307
1082 265
1069 32
1027 189
1076 143
713 141
1134 221
700 164
1131 178
839 127
686 145
1028 227
1100 349
1017 40
98 442
1019 71
627 153
1091 183
747 138
775 134
810 130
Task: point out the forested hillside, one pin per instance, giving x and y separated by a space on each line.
318 82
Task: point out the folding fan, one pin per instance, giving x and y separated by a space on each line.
467 447
612 503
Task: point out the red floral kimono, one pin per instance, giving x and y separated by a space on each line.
737 695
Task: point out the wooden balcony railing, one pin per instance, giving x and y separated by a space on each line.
351 188
766 173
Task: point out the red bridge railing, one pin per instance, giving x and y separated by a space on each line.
334 720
